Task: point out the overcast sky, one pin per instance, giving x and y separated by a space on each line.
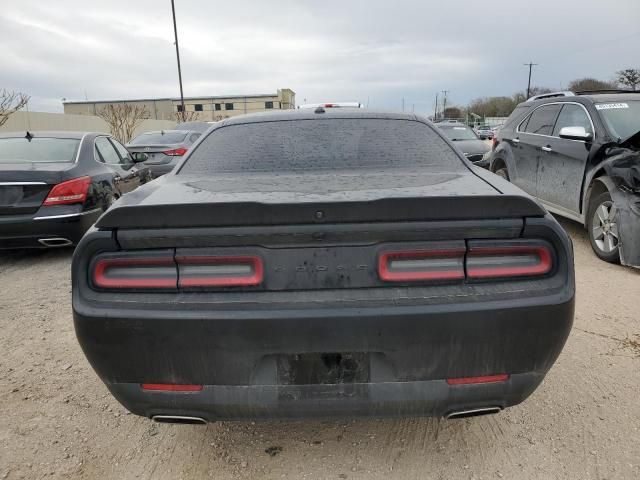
325 50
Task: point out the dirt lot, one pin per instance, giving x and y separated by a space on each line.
59 420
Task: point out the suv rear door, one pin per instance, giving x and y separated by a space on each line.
531 136
562 161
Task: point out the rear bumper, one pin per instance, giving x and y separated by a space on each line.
420 398
161 169
26 231
411 352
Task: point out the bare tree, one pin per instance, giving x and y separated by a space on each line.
588 84
189 116
123 118
10 103
629 77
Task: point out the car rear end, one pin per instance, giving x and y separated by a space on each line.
435 293
43 203
163 149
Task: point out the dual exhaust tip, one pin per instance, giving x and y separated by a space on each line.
55 242
185 420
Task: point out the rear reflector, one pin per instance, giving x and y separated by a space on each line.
473 380
171 387
153 272
69 192
425 265
508 261
220 271
175 152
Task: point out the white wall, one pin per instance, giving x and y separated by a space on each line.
34 121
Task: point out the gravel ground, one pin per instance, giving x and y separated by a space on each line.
59 420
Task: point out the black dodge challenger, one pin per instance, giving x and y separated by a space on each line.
323 263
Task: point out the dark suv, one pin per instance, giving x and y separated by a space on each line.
579 154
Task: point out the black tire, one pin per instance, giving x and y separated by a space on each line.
601 232
503 172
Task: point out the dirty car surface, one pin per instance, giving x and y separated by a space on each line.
312 263
593 179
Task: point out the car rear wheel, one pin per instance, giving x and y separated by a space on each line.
503 172
603 228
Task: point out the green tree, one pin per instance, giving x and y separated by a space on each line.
629 77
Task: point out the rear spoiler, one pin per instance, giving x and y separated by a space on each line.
207 214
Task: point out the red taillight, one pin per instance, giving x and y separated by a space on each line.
421 265
494 141
69 192
473 380
220 271
137 273
170 387
508 261
175 152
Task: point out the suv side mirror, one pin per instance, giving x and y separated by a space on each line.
138 157
575 133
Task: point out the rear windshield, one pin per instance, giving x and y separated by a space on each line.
459 133
622 118
159 138
329 144
38 150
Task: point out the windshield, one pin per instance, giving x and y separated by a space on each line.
459 133
311 145
622 119
159 138
38 150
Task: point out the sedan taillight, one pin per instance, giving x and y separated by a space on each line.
175 152
69 192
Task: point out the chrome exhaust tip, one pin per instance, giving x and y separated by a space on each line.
476 412
55 242
179 419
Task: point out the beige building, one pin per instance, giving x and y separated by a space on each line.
205 108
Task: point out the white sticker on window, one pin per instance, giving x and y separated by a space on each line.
609 106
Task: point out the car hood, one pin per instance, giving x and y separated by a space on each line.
472 146
633 139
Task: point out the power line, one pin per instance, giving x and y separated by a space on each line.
530 65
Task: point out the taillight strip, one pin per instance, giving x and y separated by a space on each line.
220 271
475 380
425 265
508 261
170 387
157 272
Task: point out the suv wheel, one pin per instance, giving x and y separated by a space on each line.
603 228
503 172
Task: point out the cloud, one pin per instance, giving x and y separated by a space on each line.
331 50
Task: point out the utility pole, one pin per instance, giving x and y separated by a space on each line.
435 110
530 65
175 33
444 102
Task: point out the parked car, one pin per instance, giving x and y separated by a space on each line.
55 185
160 151
468 142
484 132
195 126
359 265
580 155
